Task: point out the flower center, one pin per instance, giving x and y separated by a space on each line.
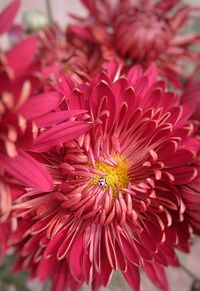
116 177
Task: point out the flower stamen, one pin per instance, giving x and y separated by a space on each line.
116 177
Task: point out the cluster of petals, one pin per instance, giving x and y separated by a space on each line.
141 32
80 231
26 107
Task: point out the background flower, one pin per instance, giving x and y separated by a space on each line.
139 32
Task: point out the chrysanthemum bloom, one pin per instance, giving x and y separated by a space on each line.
140 32
58 56
116 202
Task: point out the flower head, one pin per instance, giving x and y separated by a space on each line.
57 56
142 32
116 201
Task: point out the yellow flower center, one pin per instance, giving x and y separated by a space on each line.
115 177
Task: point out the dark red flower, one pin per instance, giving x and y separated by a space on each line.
142 32
120 198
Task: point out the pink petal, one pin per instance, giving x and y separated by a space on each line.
45 268
53 118
27 170
25 51
180 158
112 68
157 275
75 258
60 133
7 16
40 104
184 175
132 277
83 33
130 252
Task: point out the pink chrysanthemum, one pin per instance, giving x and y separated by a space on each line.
58 56
139 32
117 201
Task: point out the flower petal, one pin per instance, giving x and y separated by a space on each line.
53 118
28 171
7 16
60 133
40 104
25 50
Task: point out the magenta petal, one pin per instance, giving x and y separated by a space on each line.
53 118
27 170
83 33
60 133
75 258
157 275
25 50
132 277
184 175
8 15
112 69
179 158
46 267
40 104
130 252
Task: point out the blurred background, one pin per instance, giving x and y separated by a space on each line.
182 279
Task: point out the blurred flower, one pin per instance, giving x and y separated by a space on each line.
57 56
117 200
139 32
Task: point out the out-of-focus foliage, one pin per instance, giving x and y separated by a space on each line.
8 279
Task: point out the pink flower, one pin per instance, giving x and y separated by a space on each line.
117 200
58 56
28 117
142 32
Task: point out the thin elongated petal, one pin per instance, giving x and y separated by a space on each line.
53 118
63 132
